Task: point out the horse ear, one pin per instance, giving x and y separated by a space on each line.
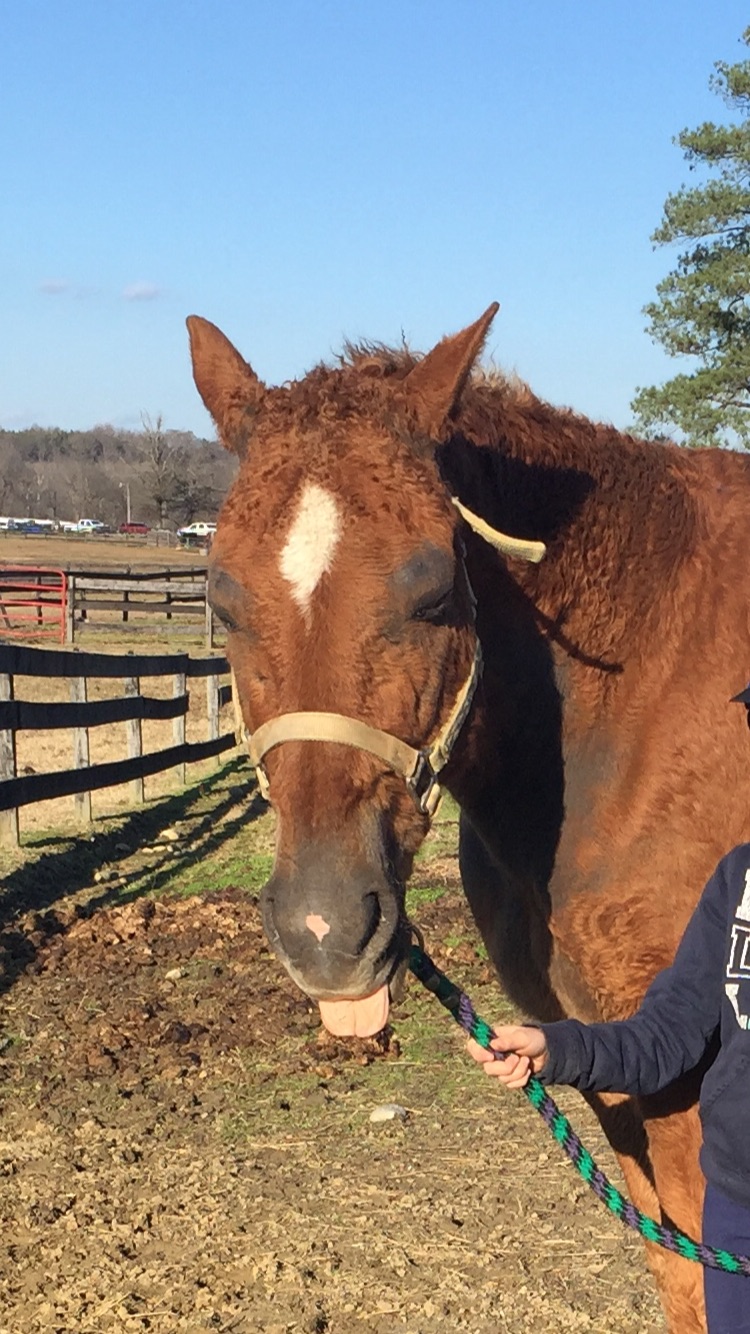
229 387
434 386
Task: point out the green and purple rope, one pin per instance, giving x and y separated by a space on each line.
460 1006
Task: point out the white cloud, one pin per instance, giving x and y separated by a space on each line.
54 286
141 291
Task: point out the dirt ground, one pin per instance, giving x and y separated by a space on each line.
183 1149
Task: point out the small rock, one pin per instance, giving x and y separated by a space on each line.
388 1111
175 974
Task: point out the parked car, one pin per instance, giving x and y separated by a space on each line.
197 534
132 527
27 526
84 526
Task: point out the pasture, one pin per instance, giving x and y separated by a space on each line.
183 1147
56 549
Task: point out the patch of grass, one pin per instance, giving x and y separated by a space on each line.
10 1040
248 871
443 836
416 895
454 939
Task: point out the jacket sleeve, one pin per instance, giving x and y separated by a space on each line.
669 1033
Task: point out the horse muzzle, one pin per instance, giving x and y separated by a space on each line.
342 936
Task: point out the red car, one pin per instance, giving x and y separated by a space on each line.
134 528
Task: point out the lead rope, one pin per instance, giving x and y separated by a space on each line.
671 1239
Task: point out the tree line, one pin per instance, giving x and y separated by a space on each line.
160 477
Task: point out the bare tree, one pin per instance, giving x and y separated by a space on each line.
163 465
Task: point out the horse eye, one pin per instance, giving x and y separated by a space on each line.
439 612
225 619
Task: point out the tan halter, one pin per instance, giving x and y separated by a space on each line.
419 768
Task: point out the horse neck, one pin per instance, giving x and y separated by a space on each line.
615 513
618 520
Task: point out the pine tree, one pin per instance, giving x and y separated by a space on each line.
703 306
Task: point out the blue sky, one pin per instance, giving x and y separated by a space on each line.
306 171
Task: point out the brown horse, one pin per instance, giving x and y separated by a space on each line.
599 766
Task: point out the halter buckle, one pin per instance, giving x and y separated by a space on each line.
423 785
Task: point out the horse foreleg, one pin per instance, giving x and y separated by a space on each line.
659 1160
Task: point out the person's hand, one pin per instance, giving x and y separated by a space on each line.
526 1054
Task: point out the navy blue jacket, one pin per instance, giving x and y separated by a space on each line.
706 989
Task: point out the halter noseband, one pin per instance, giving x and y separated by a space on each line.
419 768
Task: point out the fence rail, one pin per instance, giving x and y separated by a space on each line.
81 714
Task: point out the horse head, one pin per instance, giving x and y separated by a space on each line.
338 571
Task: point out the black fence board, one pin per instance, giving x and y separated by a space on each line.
42 787
24 715
20 660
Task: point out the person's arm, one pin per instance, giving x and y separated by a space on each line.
664 1038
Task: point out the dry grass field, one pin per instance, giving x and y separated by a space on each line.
73 552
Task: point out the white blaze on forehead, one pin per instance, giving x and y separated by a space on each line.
311 542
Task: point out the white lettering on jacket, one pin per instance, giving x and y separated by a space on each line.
743 907
738 964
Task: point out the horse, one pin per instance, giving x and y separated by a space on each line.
386 638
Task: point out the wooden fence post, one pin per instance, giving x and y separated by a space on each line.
179 732
212 705
209 621
8 819
82 758
239 721
132 687
70 610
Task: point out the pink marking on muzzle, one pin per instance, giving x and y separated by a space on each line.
315 923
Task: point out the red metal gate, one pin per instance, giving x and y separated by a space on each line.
33 602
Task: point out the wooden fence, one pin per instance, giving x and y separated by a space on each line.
36 602
175 600
80 714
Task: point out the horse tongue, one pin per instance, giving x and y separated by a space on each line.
356 1018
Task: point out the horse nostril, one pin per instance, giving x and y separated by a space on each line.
371 905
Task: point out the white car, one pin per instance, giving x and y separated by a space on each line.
83 526
197 532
